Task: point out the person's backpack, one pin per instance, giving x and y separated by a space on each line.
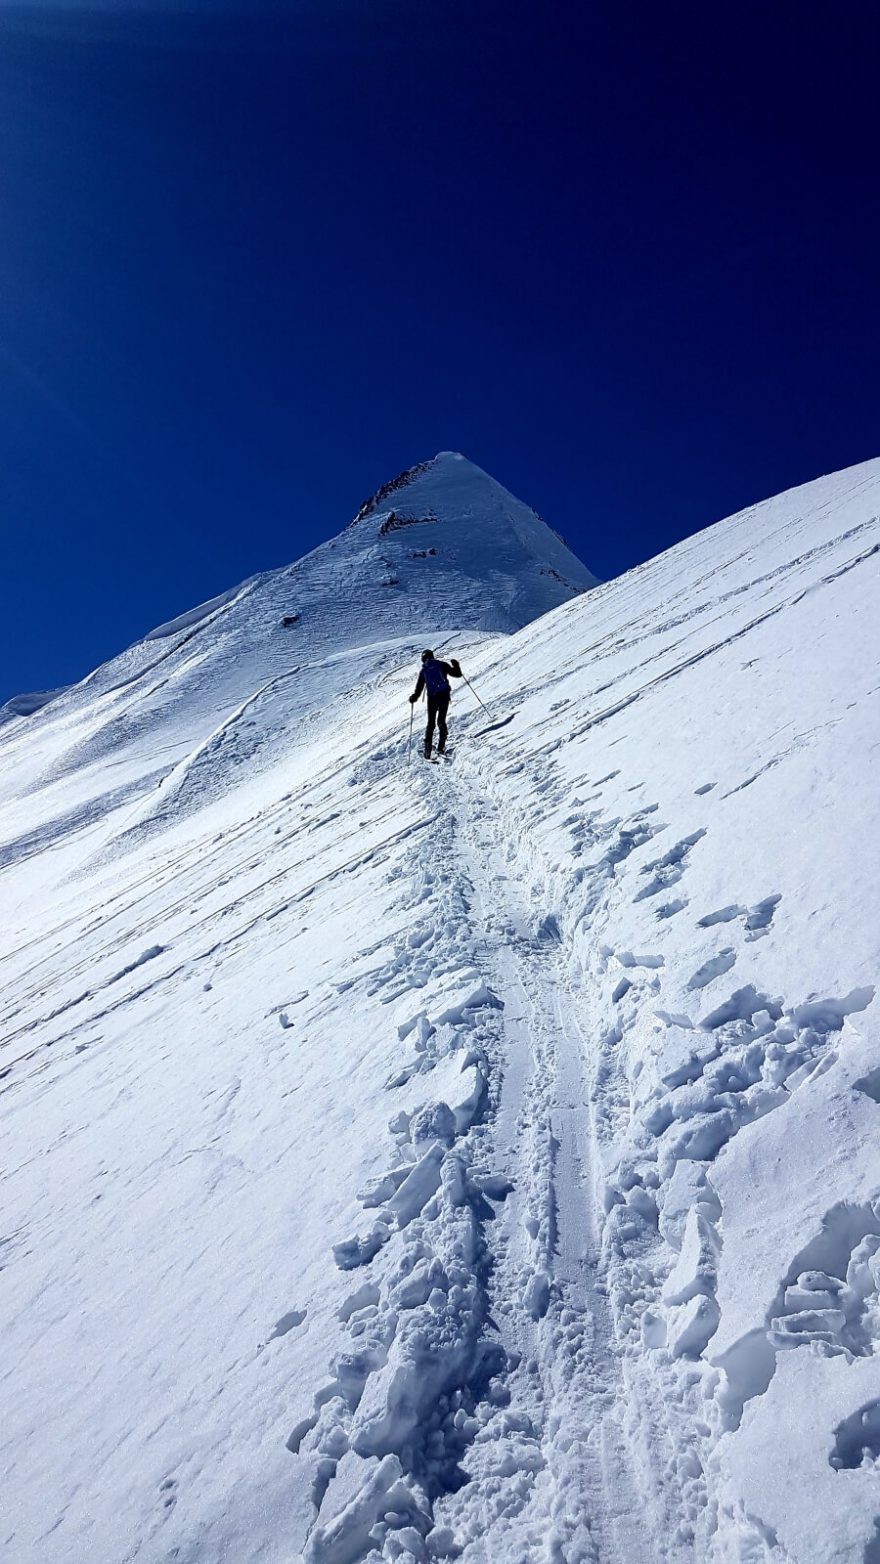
436 682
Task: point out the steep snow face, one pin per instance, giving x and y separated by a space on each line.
488 556
441 548
478 1162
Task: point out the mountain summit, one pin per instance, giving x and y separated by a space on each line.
448 526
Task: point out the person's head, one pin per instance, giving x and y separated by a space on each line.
427 657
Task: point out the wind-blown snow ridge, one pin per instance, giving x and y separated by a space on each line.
26 705
481 1163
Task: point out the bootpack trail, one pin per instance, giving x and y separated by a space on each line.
548 1291
532 1377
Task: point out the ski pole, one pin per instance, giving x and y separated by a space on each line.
412 712
476 696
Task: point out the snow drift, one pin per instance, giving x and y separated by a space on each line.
478 1162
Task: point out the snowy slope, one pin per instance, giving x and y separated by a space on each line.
443 548
410 1162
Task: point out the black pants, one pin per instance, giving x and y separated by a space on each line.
438 706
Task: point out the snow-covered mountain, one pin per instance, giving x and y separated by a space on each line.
473 1161
442 548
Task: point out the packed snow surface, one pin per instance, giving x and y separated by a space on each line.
473 1160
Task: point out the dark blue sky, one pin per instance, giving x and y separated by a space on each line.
255 259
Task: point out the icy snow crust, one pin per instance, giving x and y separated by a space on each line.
479 1162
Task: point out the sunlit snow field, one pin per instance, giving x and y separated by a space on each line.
471 1160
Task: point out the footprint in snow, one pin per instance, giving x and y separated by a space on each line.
757 919
723 915
760 917
667 870
288 1322
712 969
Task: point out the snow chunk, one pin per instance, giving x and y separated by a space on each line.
418 1187
695 1269
691 1327
365 1490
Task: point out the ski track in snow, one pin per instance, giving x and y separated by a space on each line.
474 1161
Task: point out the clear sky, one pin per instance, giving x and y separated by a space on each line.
256 258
